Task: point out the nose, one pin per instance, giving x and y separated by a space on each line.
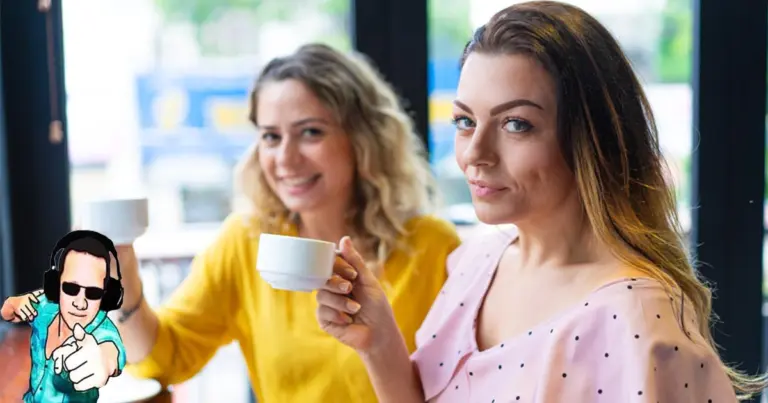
80 302
482 148
288 154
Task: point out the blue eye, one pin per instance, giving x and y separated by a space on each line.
311 132
517 126
463 123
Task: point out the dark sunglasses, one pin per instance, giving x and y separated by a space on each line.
92 293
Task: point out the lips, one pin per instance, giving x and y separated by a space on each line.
482 189
299 180
485 184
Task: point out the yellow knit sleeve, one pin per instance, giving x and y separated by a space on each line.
197 318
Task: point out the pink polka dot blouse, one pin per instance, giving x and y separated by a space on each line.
623 343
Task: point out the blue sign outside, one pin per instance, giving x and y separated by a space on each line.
198 114
185 115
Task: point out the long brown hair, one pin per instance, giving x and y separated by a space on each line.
393 179
608 137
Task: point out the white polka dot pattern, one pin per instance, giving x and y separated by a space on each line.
624 343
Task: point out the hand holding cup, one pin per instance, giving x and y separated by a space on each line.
354 308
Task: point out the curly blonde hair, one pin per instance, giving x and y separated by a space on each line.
393 180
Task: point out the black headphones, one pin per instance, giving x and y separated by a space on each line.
113 288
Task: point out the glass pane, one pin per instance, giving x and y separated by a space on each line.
657 37
157 101
765 251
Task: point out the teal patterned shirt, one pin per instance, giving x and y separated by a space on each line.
44 384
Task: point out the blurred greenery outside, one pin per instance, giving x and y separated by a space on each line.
199 13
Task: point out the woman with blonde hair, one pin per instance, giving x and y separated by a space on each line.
336 154
590 297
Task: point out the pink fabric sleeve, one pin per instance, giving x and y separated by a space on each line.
668 365
648 358
683 372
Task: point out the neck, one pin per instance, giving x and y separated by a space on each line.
559 238
63 330
327 225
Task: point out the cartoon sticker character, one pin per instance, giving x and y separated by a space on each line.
75 347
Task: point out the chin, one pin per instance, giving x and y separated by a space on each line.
302 206
491 215
73 320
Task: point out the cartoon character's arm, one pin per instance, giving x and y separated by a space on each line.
111 344
21 308
111 357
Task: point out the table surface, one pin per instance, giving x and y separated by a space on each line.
14 371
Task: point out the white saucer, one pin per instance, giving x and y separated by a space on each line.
128 389
292 282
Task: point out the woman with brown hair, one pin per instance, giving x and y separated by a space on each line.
591 296
336 154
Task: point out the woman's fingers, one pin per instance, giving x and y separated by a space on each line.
337 284
344 269
337 302
327 314
352 257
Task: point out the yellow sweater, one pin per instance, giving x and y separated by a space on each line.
290 359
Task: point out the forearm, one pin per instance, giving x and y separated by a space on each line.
138 330
135 320
393 375
112 355
189 322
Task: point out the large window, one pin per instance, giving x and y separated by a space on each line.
765 250
161 111
157 97
657 37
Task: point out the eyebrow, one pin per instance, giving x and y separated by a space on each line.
300 122
515 103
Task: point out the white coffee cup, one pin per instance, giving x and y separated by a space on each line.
121 220
295 264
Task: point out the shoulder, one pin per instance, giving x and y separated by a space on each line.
648 341
425 247
428 230
46 310
107 331
662 324
238 227
428 242
238 233
642 314
44 306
